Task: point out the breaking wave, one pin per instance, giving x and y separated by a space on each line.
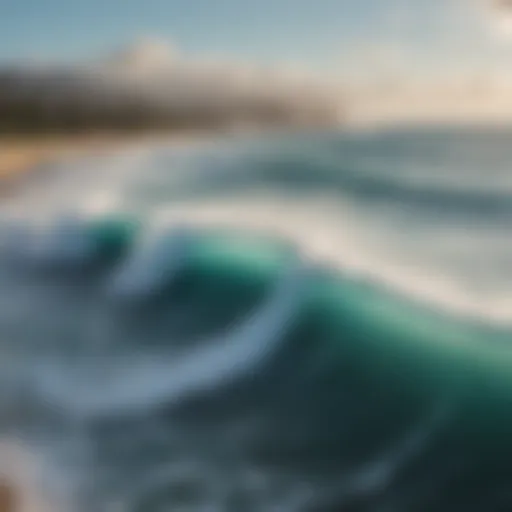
252 328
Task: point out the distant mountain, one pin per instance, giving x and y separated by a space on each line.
150 84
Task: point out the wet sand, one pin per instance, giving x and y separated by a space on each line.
20 154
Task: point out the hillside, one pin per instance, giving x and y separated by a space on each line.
146 87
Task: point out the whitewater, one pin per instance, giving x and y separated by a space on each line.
297 322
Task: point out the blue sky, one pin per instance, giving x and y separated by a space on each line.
319 34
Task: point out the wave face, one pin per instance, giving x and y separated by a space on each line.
312 323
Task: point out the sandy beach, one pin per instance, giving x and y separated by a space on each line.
20 155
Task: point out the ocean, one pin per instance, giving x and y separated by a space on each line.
303 322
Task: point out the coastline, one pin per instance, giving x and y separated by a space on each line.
19 154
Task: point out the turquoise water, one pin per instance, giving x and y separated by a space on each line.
310 323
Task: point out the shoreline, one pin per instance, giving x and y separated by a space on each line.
22 154
19 154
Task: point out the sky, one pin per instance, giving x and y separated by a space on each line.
329 36
433 45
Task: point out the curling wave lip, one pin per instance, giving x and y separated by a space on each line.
153 266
